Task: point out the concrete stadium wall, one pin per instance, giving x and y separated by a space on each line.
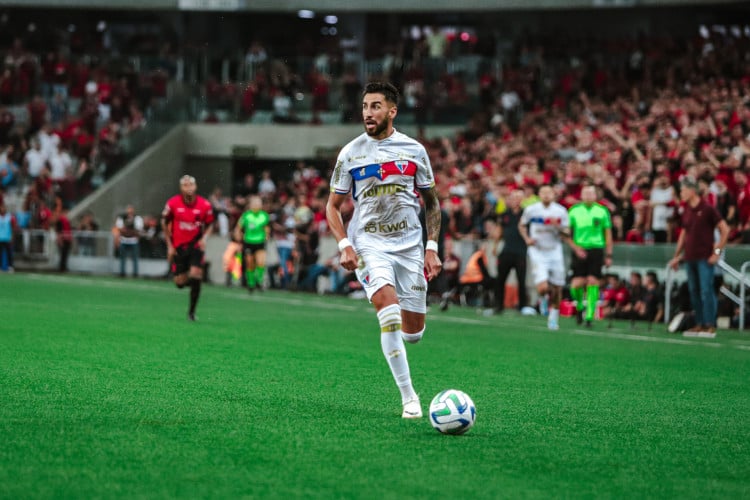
281 141
144 182
205 151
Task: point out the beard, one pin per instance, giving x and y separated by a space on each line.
380 127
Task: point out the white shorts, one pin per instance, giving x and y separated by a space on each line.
547 265
403 270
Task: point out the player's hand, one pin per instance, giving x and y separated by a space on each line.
432 264
674 264
581 253
607 261
170 253
348 259
202 244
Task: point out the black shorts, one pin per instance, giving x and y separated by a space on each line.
251 248
590 266
185 257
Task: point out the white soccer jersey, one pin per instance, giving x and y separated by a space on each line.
383 177
545 224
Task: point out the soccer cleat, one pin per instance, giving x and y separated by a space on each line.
191 316
588 323
444 304
579 316
412 409
552 325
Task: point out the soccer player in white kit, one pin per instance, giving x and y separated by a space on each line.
386 173
548 227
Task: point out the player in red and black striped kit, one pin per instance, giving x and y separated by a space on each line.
187 221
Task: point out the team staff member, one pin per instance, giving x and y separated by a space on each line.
187 220
384 170
591 242
513 254
252 230
700 253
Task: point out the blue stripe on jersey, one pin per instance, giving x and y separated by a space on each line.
361 173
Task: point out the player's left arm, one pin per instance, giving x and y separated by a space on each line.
208 230
166 227
723 228
432 263
523 223
563 229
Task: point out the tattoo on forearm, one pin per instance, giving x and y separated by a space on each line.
432 214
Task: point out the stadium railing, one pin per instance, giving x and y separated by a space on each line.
91 252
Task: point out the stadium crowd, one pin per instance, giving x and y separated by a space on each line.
632 115
63 117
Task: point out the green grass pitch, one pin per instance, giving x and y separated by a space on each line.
106 391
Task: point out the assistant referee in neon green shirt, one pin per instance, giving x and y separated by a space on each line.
591 242
252 230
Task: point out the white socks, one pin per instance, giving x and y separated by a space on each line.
554 315
394 351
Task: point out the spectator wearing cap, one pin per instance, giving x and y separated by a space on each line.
699 253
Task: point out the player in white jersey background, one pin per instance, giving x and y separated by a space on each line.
548 227
387 173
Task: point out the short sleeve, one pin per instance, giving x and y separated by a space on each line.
564 218
424 178
341 181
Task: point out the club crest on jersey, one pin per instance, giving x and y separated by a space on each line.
401 166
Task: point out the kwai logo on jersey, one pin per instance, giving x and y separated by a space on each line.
383 170
386 227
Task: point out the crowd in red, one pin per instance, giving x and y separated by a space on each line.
632 116
633 126
62 120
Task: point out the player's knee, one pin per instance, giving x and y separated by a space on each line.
413 338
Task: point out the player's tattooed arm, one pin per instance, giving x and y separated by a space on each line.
432 213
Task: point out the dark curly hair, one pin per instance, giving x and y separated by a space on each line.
387 89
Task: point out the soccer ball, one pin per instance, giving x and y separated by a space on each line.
452 412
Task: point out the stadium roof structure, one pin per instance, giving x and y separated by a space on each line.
356 5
